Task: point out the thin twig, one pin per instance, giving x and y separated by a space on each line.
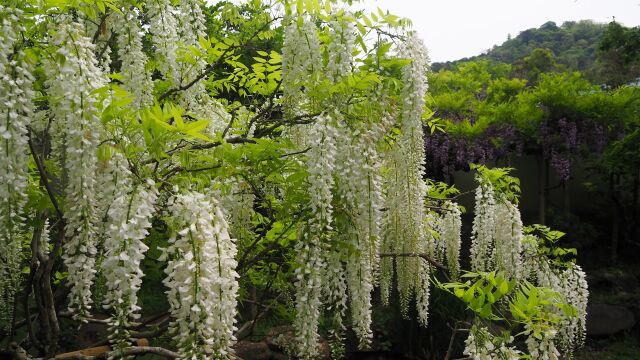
454 331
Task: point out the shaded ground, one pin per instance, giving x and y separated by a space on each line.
611 349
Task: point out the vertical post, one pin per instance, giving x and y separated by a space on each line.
542 189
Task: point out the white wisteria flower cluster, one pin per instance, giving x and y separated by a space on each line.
336 295
192 22
76 110
571 284
496 240
129 220
481 344
360 192
16 108
499 243
340 49
507 248
451 236
174 30
543 346
483 231
201 278
238 200
135 78
164 28
309 248
405 188
301 64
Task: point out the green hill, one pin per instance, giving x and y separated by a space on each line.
573 44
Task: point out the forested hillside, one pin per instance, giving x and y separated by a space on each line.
573 43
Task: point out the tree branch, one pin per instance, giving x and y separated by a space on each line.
454 331
116 354
44 179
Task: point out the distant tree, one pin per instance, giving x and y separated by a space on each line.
539 61
619 55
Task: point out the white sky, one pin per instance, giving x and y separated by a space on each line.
453 29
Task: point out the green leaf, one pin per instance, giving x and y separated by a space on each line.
490 298
486 310
459 292
101 6
468 295
196 126
299 8
503 288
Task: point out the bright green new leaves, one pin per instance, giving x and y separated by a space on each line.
481 292
499 178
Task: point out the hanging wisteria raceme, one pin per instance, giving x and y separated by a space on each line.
434 248
376 200
572 285
496 240
301 64
16 110
482 345
201 278
345 267
75 107
508 239
348 175
392 233
406 189
129 221
191 27
309 257
370 214
542 346
530 258
163 26
192 22
335 292
576 291
114 180
238 200
359 190
100 32
335 285
423 291
309 248
173 31
483 229
135 78
450 235
45 237
340 49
